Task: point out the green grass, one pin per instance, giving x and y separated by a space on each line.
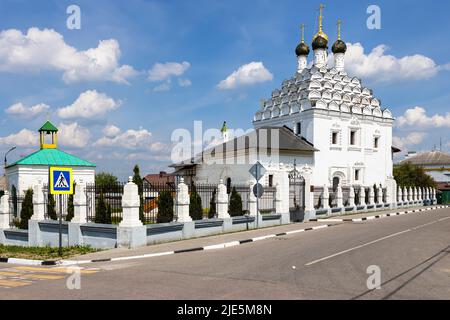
45 253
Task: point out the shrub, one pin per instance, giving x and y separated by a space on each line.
70 208
235 209
195 206
212 205
51 207
103 211
27 209
165 207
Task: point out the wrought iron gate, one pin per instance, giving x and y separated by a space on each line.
296 195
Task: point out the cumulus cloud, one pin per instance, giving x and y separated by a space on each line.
73 135
90 104
417 117
246 75
39 50
413 138
130 139
111 131
379 66
20 110
163 87
165 71
24 138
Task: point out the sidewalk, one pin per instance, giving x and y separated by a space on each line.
232 239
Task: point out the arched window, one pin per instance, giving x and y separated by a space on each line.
228 185
336 182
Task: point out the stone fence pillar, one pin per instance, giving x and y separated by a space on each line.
222 201
351 197
400 195
79 204
4 211
339 197
405 195
131 232
362 196
434 196
425 194
371 196
325 198
380 195
38 203
251 202
182 202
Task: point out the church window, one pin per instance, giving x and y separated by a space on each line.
357 174
353 137
299 128
334 138
376 142
271 180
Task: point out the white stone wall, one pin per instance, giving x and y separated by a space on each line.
24 177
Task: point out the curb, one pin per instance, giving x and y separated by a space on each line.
379 216
28 262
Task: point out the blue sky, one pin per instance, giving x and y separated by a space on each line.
173 56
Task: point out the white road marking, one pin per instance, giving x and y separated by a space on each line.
374 241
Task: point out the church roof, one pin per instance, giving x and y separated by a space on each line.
49 127
433 158
52 157
322 88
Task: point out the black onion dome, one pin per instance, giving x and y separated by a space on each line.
320 42
339 47
302 50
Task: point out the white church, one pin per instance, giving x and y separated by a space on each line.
331 129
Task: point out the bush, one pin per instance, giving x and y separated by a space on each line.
51 207
235 209
409 175
195 206
212 206
27 209
70 208
103 211
165 207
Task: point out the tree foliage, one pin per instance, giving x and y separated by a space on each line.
410 175
27 209
103 211
137 179
235 209
195 206
51 207
165 207
212 205
105 179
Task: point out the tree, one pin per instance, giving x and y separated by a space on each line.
410 175
70 208
165 207
14 200
103 211
235 209
105 179
140 183
212 205
195 206
27 209
51 207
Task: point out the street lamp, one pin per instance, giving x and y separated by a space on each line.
6 154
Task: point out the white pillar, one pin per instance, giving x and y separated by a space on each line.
251 202
410 194
371 196
182 202
380 195
325 197
130 206
38 203
339 197
414 190
4 211
351 197
434 196
425 194
362 196
405 195
278 199
222 201
79 204
399 195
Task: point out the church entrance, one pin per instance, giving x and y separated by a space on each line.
296 195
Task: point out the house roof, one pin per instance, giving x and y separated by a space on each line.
52 157
433 158
160 178
287 141
3 186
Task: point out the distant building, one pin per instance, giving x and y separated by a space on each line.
33 169
158 179
437 165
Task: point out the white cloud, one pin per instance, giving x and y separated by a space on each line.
130 139
413 138
111 131
381 67
39 50
164 71
73 135
184 83
248 74
166 86
417 117
20 110
90 104
24 138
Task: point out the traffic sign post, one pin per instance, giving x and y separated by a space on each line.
60 183
258 171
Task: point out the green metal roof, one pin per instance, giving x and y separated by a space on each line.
48 126
52 157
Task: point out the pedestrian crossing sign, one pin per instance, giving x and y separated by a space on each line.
61 180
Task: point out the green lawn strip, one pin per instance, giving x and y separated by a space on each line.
46 253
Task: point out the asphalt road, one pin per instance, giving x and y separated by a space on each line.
411 252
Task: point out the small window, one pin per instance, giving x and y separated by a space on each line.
334 138
376 142
353 137
299 128
357 174
270 180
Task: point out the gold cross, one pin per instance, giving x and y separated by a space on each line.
339 28
303 32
